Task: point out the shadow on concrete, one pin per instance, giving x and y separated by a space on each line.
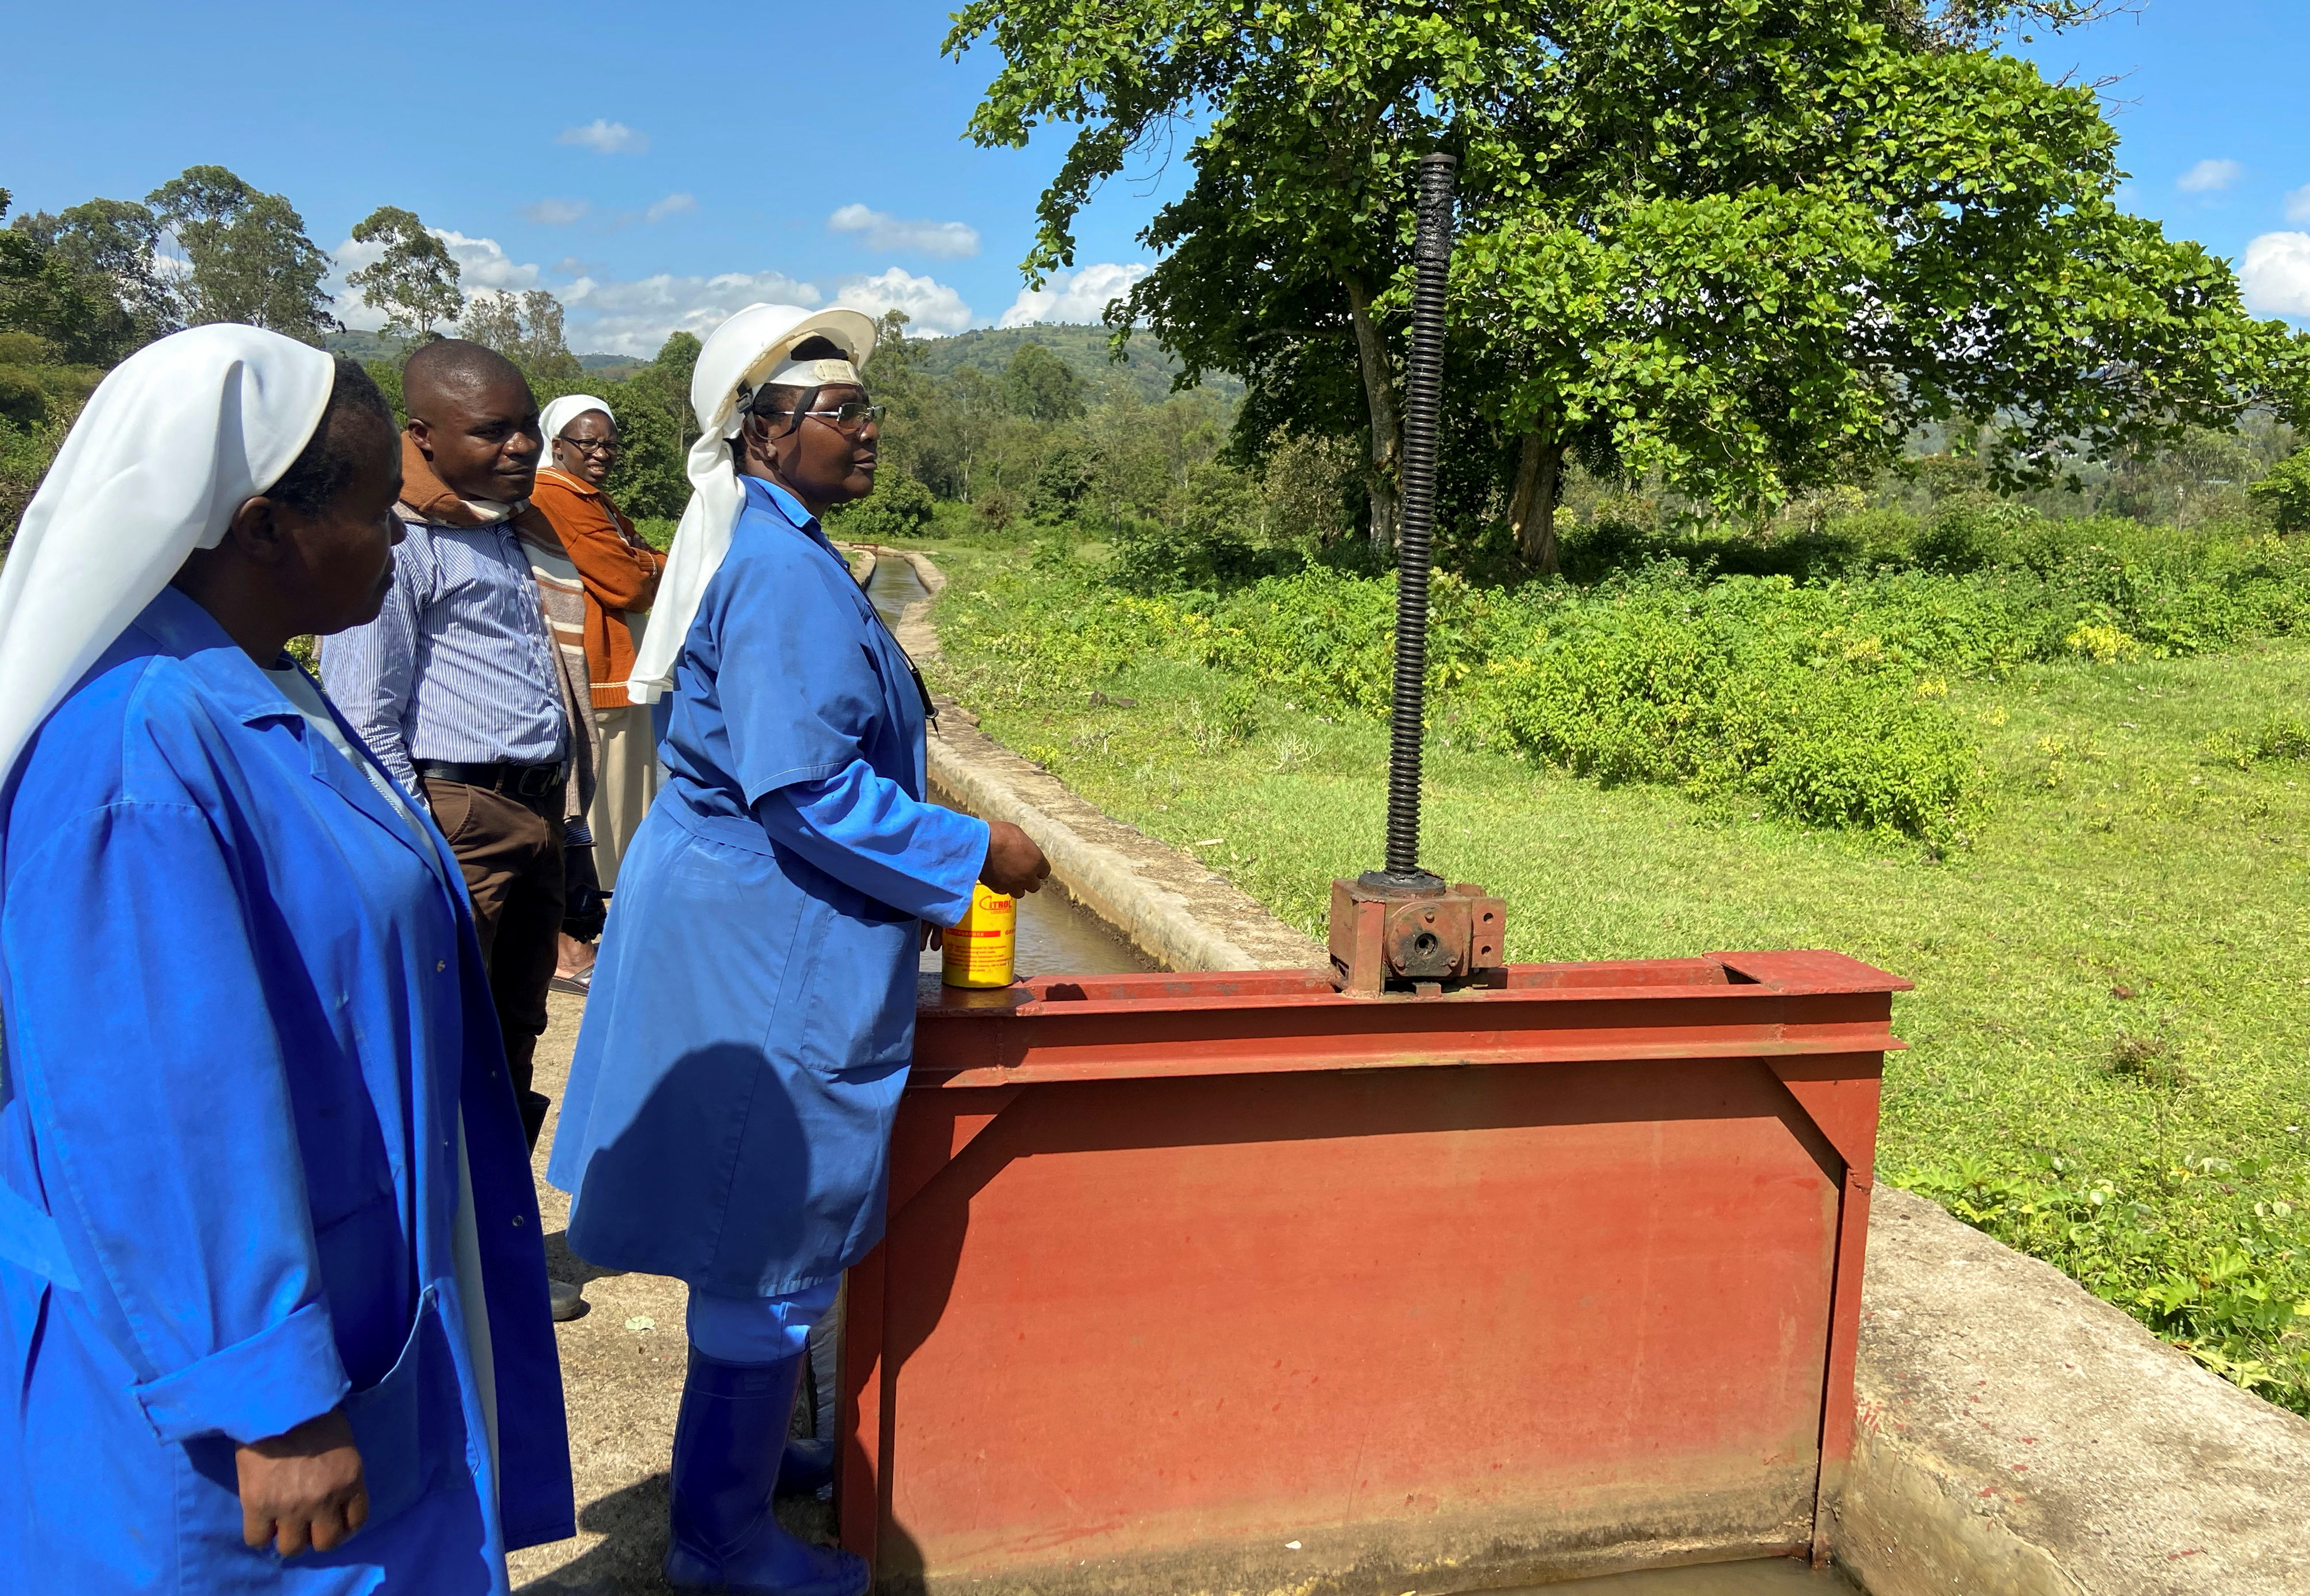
632 1521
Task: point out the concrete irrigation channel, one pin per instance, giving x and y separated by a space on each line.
2016 1436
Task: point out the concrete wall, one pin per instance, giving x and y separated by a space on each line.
2021 1438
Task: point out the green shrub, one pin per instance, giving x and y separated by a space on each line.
996 509
2285 492
2215 1287
898 508
25 453
1817 699
23 399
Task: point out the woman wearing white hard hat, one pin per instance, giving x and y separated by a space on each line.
272 1297
728 1115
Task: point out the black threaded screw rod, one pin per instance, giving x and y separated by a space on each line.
1415 535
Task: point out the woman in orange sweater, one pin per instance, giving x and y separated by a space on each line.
620 573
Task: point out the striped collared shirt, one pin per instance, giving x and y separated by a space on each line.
459 664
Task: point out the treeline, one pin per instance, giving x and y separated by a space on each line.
1047 425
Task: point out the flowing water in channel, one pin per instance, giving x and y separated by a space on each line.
1054 936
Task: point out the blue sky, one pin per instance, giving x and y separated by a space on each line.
657 171
2213 118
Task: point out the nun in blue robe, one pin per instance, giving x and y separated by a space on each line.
750 1022
260 1157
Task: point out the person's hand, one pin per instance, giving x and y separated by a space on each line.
302 1490
1014 865
934 939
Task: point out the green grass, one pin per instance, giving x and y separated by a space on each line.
2154 1144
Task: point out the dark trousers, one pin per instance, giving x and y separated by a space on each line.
511 856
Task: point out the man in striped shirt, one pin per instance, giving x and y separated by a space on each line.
459 686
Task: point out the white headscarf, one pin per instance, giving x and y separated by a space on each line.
175 439
739 355
561 412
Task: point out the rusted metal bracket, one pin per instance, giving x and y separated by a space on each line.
1410 933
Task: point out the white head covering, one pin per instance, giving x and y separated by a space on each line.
561 412
175 439
742 353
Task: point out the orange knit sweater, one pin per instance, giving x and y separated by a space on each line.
620 570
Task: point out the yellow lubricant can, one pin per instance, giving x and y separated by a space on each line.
984 950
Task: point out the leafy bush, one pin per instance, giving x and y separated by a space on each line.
898 508
996 507
23 399
1817 699
25 453
2220 1290
2285 492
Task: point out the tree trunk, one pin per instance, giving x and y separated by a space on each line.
1531 508
1382 473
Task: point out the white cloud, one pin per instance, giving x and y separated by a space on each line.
672 205
604 138
2298 203
2277 274
633 319
556 213
608 316
484 266
931 305
1079 296
2210 176
942 241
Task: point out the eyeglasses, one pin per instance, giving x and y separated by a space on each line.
590 446
849 419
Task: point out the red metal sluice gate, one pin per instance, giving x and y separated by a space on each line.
1227 1281
1416 1273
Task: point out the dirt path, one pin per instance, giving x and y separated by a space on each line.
621 1363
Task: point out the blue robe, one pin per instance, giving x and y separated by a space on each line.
752 1011
244 1008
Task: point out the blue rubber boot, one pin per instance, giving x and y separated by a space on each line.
728 1445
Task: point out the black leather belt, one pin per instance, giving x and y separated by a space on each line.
528 783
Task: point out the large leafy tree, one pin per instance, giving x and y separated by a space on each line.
113 246
1039 386
1756 259
1749 246
86 281
656 424
414 280
42 297
1278 261
526 327
250 255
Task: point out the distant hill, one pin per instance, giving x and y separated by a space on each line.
362 346
1146 369
376 346
611 367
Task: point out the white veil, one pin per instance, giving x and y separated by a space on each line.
175 439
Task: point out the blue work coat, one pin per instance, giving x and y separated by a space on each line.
752 1010
244 1008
